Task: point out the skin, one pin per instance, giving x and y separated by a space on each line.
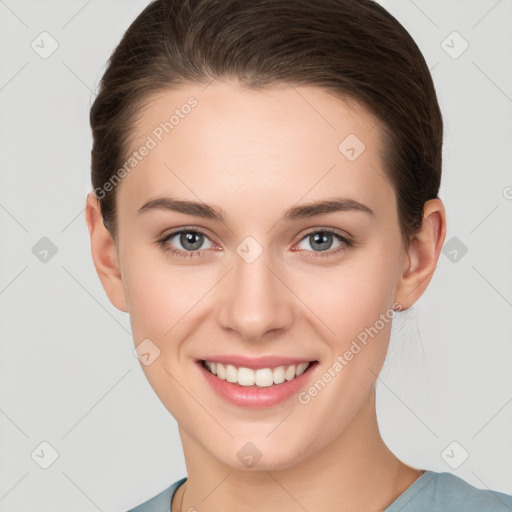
252 155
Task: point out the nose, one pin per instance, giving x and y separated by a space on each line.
256 303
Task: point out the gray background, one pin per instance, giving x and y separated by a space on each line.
68 374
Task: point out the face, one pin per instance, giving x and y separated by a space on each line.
260 279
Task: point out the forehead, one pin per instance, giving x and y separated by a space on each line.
285 142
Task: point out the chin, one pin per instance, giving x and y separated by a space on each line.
267 459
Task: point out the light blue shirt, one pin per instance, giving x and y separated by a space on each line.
431 492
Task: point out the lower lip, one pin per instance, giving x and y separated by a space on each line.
254 397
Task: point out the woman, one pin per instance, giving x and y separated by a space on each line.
266 177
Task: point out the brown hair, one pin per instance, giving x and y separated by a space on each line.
352 48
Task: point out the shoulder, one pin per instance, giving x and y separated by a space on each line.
445 492
450 490
161 502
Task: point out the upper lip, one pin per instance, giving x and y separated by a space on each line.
256 362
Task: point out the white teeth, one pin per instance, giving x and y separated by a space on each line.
263 377
231 373
245 377
279 375
221 371
301 368
289 373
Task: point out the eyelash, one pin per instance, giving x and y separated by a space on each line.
346 243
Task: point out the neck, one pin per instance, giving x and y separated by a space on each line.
356 470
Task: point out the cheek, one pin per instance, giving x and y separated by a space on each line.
346 298
352 296
160 297
159 294
151 303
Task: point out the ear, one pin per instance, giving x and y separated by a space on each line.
423 253
104 254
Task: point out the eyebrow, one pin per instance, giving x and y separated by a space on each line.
295 213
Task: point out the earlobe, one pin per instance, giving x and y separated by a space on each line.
423 253
104 254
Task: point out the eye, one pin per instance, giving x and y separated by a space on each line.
185 243
321 241
188 243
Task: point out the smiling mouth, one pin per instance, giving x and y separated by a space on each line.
262 377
